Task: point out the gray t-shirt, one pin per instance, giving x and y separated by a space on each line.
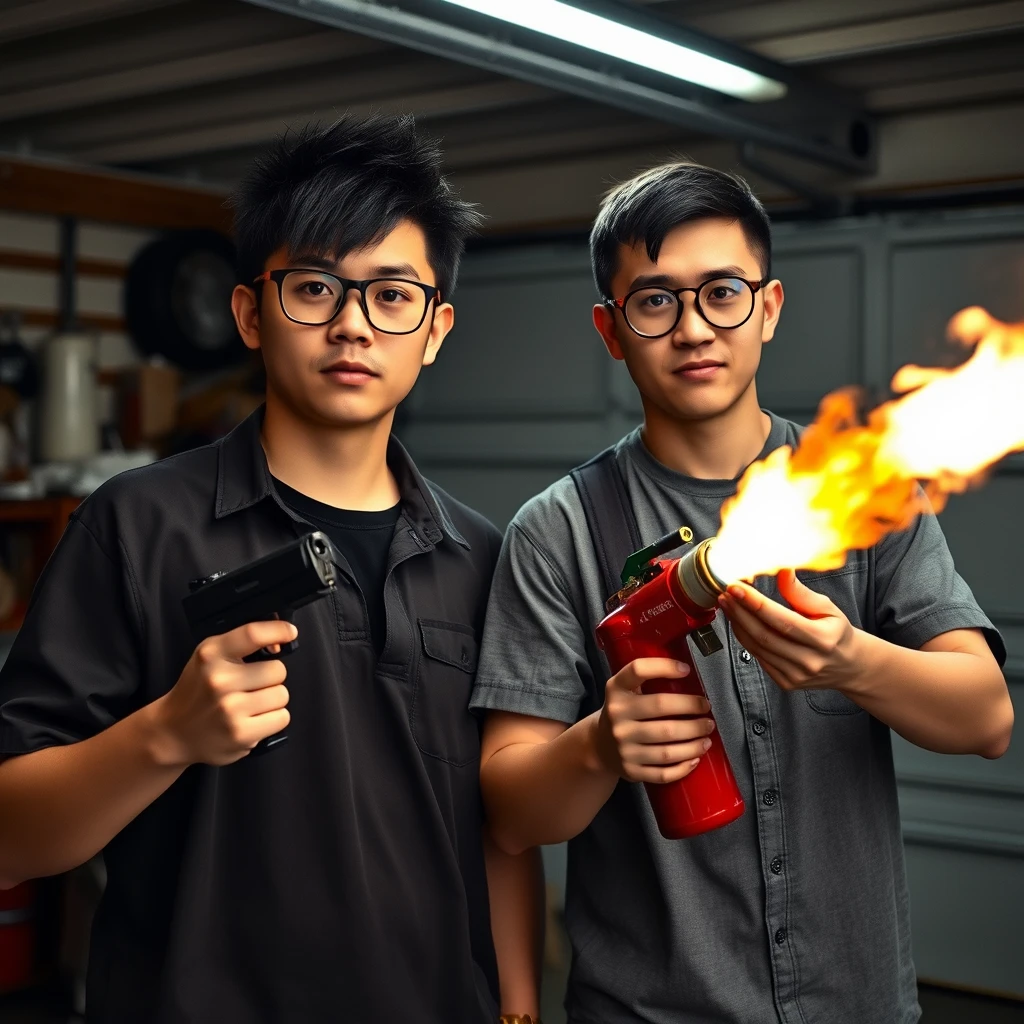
798 911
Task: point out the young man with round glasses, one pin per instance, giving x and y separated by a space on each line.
341 875
796 912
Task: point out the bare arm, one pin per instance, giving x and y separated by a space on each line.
949 696
61 805
515 884
544 782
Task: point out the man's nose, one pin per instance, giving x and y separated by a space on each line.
692 328
350 322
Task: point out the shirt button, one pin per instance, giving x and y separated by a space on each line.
769 796
465 656
744 655
780 936
776 865
759 727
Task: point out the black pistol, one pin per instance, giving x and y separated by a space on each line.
272 587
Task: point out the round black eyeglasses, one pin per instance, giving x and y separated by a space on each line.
723 302
392 305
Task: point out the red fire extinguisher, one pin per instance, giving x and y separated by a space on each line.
17 936
660 605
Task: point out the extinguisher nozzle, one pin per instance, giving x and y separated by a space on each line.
697 578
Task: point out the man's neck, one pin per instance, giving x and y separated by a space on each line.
713 449
345 467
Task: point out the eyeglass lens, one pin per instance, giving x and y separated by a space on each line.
724 302
396 307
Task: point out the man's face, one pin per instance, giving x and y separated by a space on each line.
346 372
697 371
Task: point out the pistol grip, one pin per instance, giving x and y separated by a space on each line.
270 743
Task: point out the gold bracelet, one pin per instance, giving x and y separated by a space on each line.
518 1018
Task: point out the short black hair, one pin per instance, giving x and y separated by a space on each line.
646 208
334 189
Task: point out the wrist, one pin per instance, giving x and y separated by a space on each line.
866 654
160 741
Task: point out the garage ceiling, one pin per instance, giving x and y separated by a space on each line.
193 88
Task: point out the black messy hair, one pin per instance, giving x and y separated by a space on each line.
335 189
646 208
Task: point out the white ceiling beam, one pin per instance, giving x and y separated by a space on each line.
926 29
152 41
424 105
186 72
946 92
748 22
363 80
533 148
42 16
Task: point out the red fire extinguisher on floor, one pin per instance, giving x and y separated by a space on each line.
17 936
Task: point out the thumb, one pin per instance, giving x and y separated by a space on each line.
801 598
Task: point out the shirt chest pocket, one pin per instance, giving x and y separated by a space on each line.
845 588
442 724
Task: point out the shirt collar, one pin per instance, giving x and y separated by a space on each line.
243 480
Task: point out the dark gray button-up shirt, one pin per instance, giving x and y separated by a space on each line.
798 911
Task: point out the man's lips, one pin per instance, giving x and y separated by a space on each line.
346 372
699 369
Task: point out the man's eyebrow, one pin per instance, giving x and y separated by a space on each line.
311 260
666 280
386 270
397 270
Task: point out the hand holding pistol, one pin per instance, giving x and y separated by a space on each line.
231 698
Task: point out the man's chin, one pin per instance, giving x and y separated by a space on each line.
345 415
701 410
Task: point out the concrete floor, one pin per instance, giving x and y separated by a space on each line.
940 1007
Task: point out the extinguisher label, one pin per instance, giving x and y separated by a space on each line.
658 609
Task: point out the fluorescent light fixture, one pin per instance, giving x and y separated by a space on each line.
575 25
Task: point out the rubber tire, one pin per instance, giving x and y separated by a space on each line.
155 325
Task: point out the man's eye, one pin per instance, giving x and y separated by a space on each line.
391 295
315 288
656 301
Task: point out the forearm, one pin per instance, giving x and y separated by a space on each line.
546 792
62 805
515 884
952 702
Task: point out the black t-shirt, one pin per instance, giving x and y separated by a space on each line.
363 538
338 877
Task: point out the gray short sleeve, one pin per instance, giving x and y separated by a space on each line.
533 659
918 593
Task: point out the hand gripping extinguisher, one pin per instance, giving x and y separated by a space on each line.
661 603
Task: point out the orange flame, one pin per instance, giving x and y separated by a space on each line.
847 484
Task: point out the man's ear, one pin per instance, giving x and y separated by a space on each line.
604 321
443 322
773 299
246 311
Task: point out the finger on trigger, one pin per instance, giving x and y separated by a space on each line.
255 636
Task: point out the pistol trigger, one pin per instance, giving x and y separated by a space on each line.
291 645
706 640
